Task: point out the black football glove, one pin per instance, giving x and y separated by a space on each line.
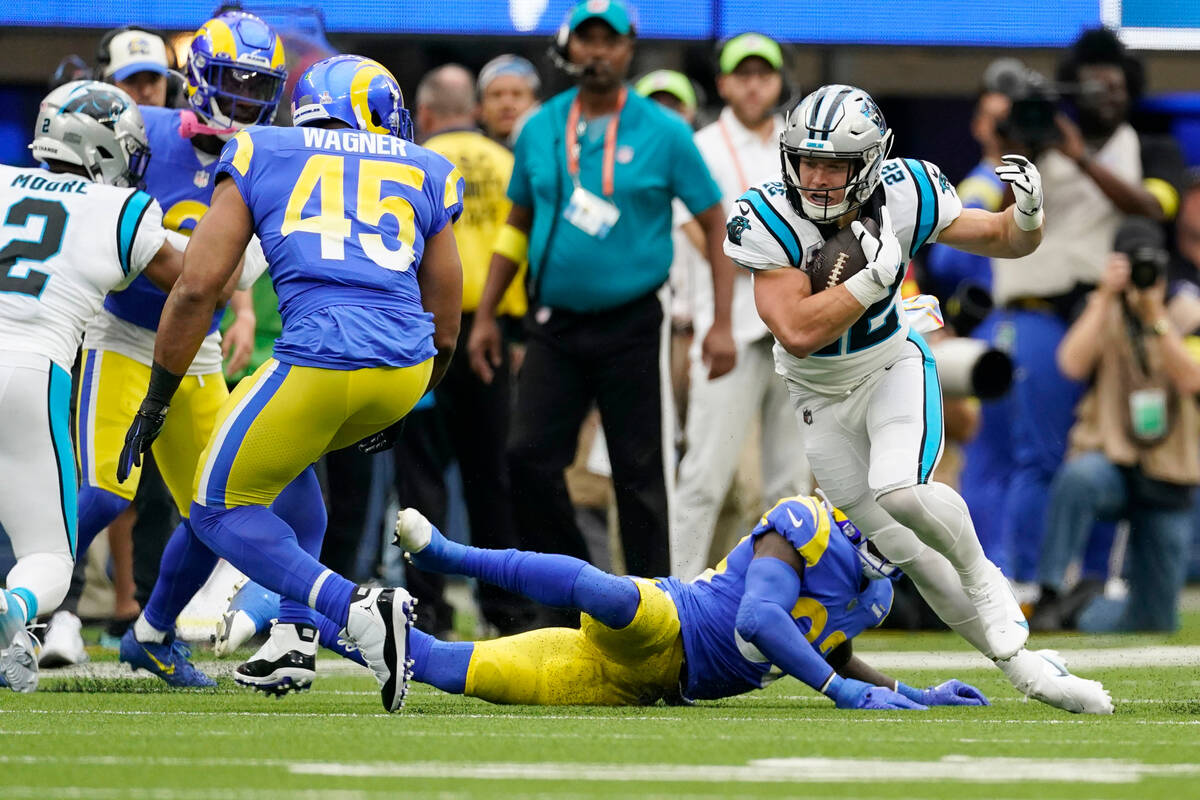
146 426
384 440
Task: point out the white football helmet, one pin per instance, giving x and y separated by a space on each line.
96 126
835 121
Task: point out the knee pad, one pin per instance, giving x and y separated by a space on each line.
46 576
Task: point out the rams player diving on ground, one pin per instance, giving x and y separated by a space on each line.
786 600
863 384
355 221
235 74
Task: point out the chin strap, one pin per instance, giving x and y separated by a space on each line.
190 125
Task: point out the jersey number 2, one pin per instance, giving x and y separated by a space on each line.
55 216
326 174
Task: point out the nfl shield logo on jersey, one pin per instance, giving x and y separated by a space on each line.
200 178
807 417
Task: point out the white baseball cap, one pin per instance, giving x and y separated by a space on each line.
135 51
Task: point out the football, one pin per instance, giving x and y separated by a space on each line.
840 257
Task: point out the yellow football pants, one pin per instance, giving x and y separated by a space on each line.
593 666
284 417
111 388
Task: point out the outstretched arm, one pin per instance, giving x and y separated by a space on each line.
764 620
951 693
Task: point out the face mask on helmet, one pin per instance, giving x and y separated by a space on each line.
94 126
834 122
235 73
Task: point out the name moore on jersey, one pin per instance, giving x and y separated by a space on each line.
765 233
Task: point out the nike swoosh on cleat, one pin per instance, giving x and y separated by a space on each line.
165 669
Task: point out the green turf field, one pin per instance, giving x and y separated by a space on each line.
121 737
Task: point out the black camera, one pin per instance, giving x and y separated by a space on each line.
1143 242
1035 99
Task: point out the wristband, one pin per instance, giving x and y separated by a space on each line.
512 243
163 385
864 288
831 685
1026 222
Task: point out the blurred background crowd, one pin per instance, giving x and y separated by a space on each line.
1070 375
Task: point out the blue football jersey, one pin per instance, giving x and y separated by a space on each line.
836 601
343 216
183 187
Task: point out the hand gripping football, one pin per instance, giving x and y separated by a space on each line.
840 257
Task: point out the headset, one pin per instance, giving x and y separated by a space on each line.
557 49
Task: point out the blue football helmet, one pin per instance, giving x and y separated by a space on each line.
235 72
355 90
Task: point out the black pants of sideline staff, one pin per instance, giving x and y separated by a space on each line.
611 359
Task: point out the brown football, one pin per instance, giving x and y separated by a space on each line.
840 257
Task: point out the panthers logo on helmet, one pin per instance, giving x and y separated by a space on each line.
872 112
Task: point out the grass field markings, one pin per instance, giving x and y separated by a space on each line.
774 770
27 792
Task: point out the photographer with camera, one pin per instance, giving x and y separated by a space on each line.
1093 175
1135 449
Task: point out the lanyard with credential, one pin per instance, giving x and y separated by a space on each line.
610 143
743 184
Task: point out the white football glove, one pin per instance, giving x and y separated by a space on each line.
1026 181
884 260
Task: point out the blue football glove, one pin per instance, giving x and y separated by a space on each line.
849 693
951 693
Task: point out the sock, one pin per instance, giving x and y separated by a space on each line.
265 548
143 631
440 664
97 508
302 507
330 635
185 566
25 603
40 581
261 605
939 517
549 578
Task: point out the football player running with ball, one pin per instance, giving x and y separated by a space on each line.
864 385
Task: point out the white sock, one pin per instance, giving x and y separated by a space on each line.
939 517
145 632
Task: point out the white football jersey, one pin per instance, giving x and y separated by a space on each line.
65 243
764 232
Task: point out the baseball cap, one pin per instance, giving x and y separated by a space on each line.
739 48
135 51
508 64
614 12
669 81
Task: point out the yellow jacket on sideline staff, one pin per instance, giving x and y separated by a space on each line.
486 167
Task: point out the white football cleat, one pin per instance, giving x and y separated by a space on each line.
413 531
1042 675
287 661
64 643
19 663
234 629
379 624
1004 624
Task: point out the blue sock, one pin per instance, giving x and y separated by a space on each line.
261 605
265 548
302 507
552 579
186 565
329 634
440 664
97 508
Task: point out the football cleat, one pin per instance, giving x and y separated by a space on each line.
1042 675
64 644
1005 627
287 661
19 663
379 624
12 621
169 660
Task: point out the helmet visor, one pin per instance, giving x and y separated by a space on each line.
246 96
